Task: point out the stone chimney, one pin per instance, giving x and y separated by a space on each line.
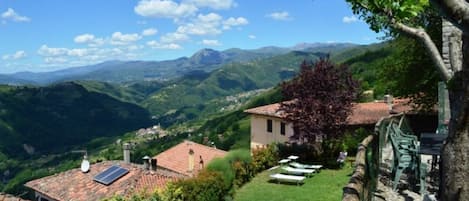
191 160
201 163
126 147
153 164
388 99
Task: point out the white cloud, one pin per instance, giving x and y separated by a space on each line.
202 25
209 18
164 8
170 46
174 37
46 51
211 42
252 36
230 22
215 4
89 39
55 60
78 52
134 47
84 38
118 38
350 19
149 32
17 55
82 56
279 16
10 14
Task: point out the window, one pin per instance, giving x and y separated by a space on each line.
282 128
269 125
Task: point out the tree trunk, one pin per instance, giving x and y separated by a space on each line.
455 159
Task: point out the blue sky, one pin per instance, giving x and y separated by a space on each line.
46 35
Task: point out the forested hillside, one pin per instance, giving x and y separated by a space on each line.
41 121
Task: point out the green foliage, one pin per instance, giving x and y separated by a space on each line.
231 79
241 165
223 166
264 158
227 123
307 153
409 72
120 92
52 121
139 196
207 186
352 139
381 14
63 115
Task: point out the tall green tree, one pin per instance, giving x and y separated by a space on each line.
401 16
406 73
321 100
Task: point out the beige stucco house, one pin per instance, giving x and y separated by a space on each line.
269 126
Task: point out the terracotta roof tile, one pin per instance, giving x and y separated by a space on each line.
8 197
78 186
177 158
362 113
372 112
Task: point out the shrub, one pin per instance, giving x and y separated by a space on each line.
264 158
308 153
138 196
241 164
207 186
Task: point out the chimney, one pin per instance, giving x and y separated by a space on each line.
146 164
191 160
126 147
388 99
201 162
153 164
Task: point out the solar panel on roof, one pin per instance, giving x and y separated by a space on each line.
110 175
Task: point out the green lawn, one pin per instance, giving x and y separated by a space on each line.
327 185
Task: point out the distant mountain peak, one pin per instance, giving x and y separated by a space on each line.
207 56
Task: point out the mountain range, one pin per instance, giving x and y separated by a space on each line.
130 71
92 106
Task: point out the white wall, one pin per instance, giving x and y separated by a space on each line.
259 135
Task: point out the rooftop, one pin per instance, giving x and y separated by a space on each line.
362 113
76 185
8 197
177 158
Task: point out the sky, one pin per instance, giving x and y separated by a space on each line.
47 35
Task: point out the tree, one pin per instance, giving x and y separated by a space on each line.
320 100
408 66
400 16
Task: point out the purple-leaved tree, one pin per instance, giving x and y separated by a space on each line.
321 98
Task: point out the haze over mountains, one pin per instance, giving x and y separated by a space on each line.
128 71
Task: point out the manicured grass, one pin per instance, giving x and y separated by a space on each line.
324 186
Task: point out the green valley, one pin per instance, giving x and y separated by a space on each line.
41 126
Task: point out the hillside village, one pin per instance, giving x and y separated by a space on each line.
266 125
97 111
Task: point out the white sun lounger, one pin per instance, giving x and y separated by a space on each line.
298 171
304 166
289 178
